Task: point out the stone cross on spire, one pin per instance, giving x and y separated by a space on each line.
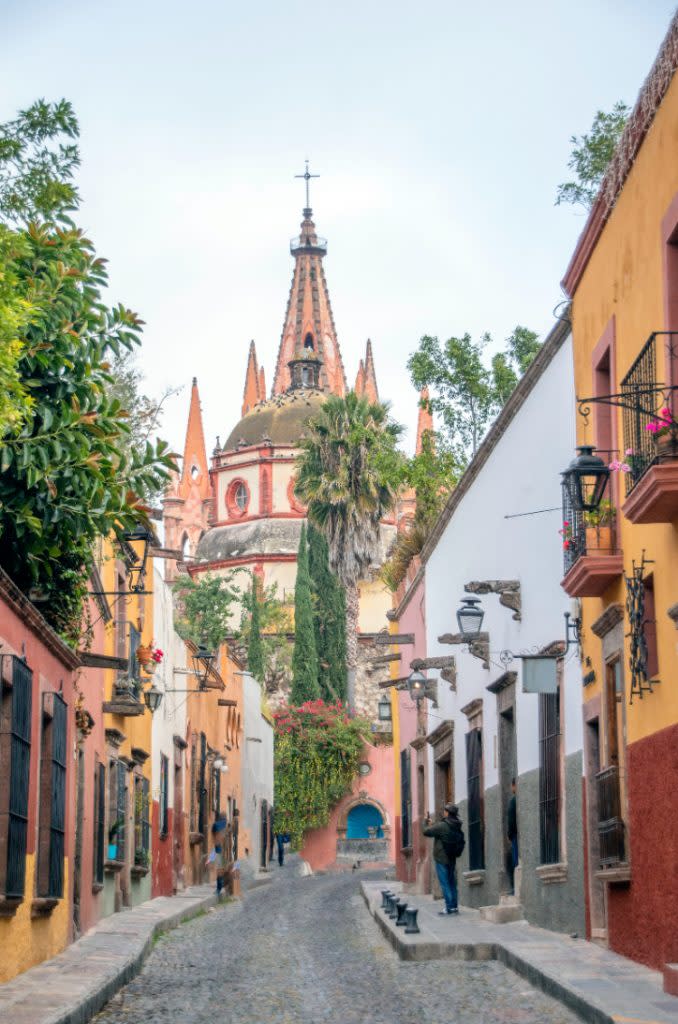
307 177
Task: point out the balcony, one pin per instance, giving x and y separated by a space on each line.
651 449
611 828
591 558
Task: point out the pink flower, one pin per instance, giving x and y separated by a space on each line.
629 451
625 468
653 427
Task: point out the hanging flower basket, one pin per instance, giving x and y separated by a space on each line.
144 654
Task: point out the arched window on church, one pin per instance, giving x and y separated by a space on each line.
195 472
241 497
185 549
308 341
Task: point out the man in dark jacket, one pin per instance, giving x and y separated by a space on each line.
448 845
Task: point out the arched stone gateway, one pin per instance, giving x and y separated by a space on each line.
363 830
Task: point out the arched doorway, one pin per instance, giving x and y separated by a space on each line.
364 821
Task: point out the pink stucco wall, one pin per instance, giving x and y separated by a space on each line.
410 862
320 846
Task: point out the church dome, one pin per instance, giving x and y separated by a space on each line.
280 419
240 540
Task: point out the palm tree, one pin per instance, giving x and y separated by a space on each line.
349 470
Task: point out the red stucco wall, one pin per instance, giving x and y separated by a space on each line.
163 880
643 916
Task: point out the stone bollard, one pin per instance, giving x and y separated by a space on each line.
411 926
385 893
401 907
392 906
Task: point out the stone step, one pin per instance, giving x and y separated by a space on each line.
502 913
507 900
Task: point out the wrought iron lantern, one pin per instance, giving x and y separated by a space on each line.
203 659
153 698
416 684
137 558
384 709
585 480
470 617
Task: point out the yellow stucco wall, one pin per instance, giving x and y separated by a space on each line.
625 279
26 941
375 601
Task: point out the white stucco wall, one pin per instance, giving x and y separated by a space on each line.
257 765
170 718
479 543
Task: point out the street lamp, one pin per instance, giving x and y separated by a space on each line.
416 684
470 617
585 479
136 560
203 659
384 709
153 698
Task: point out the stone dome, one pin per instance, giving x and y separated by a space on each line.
242 540
281 419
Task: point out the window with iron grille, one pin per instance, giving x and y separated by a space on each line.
142 825
117 806
202 788
193 810
235 819
134 667
15 757
52 809
573 532
476 810
549 778
99 821
164 795
405 799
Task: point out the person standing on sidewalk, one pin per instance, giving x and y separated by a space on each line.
281 839
512 833
449 843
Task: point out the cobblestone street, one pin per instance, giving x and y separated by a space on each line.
303 950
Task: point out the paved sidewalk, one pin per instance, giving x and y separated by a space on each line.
600 986
73 986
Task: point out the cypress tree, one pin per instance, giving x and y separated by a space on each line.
255 650
329 619
304 658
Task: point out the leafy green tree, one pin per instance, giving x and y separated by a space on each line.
305 658
349 470
255 650
275 627
15 315
329 619
38 156
67 476
205 607
521 348
461 389
591 154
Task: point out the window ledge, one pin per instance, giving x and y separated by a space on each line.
43 906
9 904
195 837
619 874
551 874
474 877
113 866
97 887
138 871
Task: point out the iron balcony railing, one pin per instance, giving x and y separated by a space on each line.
611 827
642 399
579 538
299 244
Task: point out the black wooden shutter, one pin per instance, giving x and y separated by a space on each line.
99 822
22 686
58 807
549 777
474 758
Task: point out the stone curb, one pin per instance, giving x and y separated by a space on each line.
415 948
41 994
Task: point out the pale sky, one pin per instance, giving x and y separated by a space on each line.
440 131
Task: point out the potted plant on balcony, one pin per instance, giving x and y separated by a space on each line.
599 526
144 654
113 838
664 430
142 858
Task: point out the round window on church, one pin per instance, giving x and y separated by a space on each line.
238 498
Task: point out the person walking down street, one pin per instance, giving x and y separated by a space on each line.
512 833
215 857
281 839
449 843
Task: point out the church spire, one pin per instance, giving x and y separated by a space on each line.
366 381
255 391
309 323
194 466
